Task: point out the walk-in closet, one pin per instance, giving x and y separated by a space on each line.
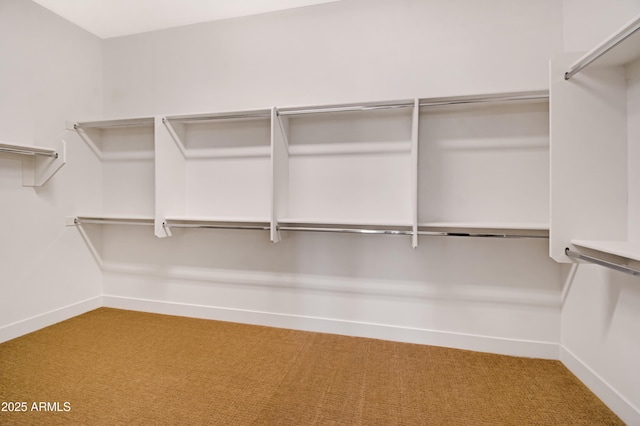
320 212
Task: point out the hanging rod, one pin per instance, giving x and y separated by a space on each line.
478 234
345 230
217 226
127 122
426 102
345 108
504 97
603 48
607 264
28 152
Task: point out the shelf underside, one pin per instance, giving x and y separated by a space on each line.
322 225
625 249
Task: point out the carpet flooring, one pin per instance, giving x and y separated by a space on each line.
115 367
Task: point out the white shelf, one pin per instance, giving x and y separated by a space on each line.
254 114
214 167
336 222
526 96
341 108
13 148
218 219
109 220
508 226
506 229
624 249
343 168
620 48
112 123
349 164
482 160
233 223
125 148
594 116
115 216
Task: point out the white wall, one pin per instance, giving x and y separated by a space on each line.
495 295
601 311
348 51
50 72
587 22
483 294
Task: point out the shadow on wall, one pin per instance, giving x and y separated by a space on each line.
451 268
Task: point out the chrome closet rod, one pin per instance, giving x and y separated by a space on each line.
205 226
344 108
127 122
29 152
602 49
607 264
477 235
484 99
345 230
238 116
426 102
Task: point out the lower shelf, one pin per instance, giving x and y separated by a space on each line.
219 223
620 256
485 229
109 220
453 229
625 249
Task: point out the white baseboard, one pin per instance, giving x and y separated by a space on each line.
629 413
533 349
37 322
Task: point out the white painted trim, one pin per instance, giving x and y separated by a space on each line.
526 348
629 413
29 325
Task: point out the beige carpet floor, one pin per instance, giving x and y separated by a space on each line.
119 367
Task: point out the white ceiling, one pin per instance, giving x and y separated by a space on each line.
113 18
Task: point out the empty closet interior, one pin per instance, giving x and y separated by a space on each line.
250 170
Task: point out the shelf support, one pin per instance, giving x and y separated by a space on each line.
39 164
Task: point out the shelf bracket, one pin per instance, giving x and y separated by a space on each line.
38 169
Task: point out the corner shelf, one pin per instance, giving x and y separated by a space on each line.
39 164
